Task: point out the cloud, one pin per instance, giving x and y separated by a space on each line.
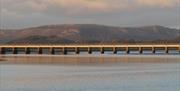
95 5
114 4
84 6
158 3
82 10
91 6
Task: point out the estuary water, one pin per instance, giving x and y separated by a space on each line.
90 73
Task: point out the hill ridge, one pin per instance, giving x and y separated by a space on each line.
88 33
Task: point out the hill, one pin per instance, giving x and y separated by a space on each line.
88 33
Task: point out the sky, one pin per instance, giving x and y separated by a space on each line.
17 14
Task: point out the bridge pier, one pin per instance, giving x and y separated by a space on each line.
140 50
127 50
14 50
77 51
1 50
114 50
52 51
89 50
40 51
64 50
153 50
27 50
102 50
166 50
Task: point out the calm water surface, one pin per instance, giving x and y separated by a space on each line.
90 73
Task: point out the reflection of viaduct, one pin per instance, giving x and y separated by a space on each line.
64 49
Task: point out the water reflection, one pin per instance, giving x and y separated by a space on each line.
88 59
90 73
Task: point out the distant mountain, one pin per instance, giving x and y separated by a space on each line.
88 33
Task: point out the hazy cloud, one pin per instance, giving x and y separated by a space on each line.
159 3
23 9
83 6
